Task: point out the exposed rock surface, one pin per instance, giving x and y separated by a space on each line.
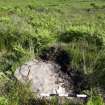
45 77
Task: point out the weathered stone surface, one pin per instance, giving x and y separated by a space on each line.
45 77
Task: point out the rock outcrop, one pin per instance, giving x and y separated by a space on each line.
45 77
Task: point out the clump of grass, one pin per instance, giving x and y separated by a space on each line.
96 100
3 101
16 93
94 6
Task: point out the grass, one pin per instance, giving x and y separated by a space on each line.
28 26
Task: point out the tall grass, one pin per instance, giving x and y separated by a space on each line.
96 100
27 27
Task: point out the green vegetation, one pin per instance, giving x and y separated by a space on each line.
29 26
95 101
